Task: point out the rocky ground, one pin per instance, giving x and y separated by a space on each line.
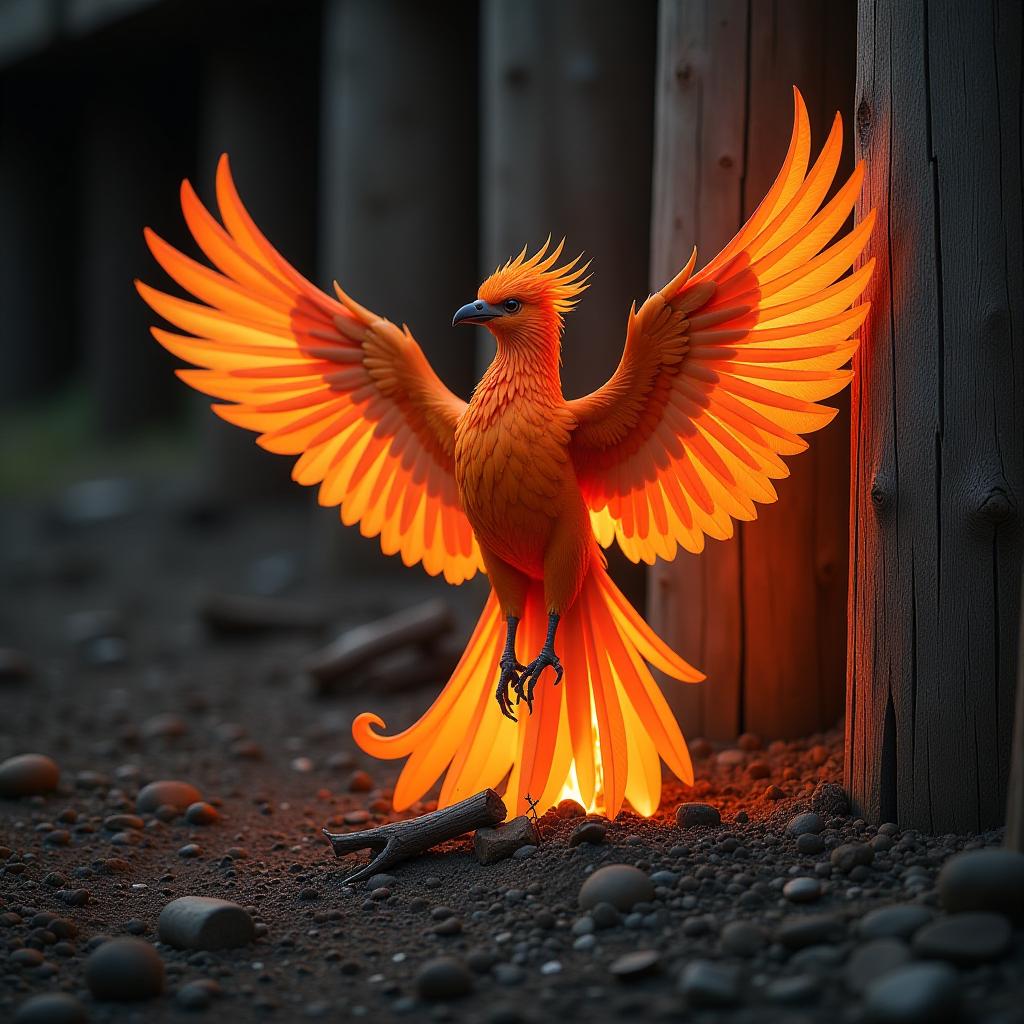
761 900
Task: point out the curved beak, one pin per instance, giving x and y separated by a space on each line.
478 312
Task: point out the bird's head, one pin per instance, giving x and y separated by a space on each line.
527 297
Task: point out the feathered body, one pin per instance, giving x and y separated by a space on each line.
721 373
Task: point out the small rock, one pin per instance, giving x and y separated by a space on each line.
830 799
743 938
28 775
499 843
805 824
809 842
870 961
758 770
700 749
592 832
443 978
164 726
201 813
802 890
381 881
972 938
123 822
360 782
914 994
203 922
851 855
692 815
798 990
990 879
707 983
51 1008
167 793
621 885
125 969
190 850
798 931
898 921
731 757
635 964
197 995
817 755
749 741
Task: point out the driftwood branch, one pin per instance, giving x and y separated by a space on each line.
403 839
423 624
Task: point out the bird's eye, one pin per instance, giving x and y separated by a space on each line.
512 305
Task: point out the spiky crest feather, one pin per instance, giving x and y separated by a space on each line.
537 280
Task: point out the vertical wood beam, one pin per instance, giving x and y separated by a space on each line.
763 614
938 415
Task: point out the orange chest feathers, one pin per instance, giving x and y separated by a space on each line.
512 467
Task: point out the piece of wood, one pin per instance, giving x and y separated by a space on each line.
421 624
566 150
763 614
401 840
1015 798
938 416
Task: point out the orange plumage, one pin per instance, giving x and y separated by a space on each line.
721 374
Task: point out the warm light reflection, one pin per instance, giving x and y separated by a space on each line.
571 787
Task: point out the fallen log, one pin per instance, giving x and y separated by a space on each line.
401 840
354 649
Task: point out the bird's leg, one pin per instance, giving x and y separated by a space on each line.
547 658
510 669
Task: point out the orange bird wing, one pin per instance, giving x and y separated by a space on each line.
347 391
723 370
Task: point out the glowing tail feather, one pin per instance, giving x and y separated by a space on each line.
597 737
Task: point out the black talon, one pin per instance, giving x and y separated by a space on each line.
510 670
546 659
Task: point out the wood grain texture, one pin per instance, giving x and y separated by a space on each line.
764 613
938 416
1015 796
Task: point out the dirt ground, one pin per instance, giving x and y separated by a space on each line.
124 684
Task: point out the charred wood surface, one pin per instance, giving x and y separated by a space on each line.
938 416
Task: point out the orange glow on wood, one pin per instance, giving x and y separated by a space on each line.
723 370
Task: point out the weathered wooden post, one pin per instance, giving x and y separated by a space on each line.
938 416
267 124
398 187
763 614
1015 797
566 142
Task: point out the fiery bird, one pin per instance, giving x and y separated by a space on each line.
722 372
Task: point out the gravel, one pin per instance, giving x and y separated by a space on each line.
984 880
28 775
443 978
125 969
51 1008
973 938
621 885
167 793
898 921
915 994
707 983
205 922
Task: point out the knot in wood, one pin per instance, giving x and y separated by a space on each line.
684 72
863 122
995 506
882 495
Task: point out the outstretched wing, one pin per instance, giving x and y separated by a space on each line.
723 370
348 391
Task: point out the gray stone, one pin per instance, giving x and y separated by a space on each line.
621 885
805 824
635 964
125 969
851 855
51 1008
990 879
443 978
898 921
798 931
381 881
872 960
197 995
167 793
697 815
830 798
201 813
914 994
743 938
28 775
204 922
587 832
809 842
799 990
499 843
707 983
973 938
802 890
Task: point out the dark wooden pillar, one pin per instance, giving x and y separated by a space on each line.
938 416
260 105
763 614
1015 798
567 143
398 188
